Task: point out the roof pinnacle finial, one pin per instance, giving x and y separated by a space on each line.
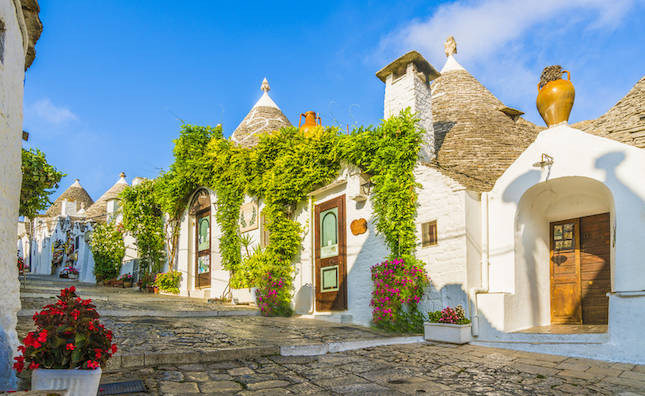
265 86
451 46
122 174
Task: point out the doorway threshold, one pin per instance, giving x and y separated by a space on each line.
565 329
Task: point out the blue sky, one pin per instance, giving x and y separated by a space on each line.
108 76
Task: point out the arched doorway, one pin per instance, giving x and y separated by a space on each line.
200 208
563 251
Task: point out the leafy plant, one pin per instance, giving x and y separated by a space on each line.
108 249
143 217
281 170
188 172
396 283
449 315
168 281
39 181
68 335
273 296
126 277
70 270
21 264
146 280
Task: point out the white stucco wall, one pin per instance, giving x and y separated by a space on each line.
11 93
444 200
589 175
410 91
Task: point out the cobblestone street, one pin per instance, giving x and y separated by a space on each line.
397 370
229 350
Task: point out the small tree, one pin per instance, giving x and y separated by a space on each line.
108 249
142 216
39 181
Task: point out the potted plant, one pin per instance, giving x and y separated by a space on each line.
21 265
168 281
127 280
146 283
449 325
69 347
69 272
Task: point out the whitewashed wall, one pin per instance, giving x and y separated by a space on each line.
590 175
444 200
11 94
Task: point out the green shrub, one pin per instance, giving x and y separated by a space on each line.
168 281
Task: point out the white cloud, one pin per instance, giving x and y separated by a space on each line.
484 27
44 111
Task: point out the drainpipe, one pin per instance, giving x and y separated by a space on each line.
474 313
312 255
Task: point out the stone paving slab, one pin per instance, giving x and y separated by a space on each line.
386 370
197 336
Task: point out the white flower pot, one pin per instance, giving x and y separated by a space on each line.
72 276
445 332
243 296
78 382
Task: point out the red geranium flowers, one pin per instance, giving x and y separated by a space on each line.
68 335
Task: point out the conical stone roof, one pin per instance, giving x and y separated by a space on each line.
75 192
476 137
625 122
265 116
98 211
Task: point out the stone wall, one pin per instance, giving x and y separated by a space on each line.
12 74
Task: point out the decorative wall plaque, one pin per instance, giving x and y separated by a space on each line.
358 226
249 217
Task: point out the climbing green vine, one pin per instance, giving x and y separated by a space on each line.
108 249
143 217
280 171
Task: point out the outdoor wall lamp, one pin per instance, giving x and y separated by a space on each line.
546 160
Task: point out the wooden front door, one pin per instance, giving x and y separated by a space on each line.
580 273
200 207
203 249
331 263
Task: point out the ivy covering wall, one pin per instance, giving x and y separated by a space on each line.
282 169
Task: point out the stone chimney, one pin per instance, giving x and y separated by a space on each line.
68 207
407 84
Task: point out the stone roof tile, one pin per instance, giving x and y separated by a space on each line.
475 142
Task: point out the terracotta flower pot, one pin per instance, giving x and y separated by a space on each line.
127 284
555 100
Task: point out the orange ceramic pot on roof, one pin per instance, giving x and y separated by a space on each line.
311 121
555 100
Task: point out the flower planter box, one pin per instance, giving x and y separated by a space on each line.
243 296
78 382
72 276
127 284
445 332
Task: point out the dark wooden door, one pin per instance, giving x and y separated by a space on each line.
203 249
580 273
565 272
331 263
595 268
